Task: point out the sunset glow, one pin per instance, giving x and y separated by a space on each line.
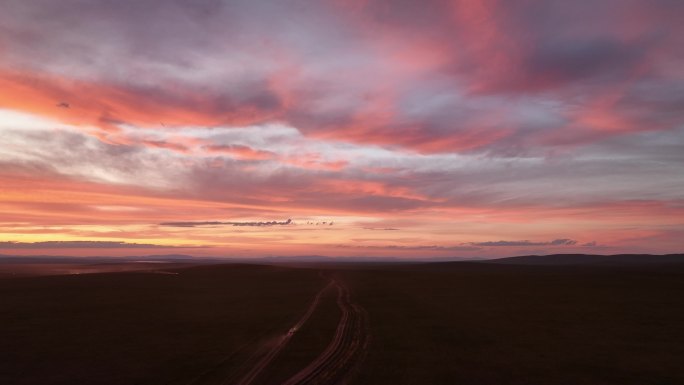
424 129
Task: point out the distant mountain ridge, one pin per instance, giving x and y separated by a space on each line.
540 260
589 259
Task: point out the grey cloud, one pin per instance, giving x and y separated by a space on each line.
79 245
78 155
381 228
413 248
555 242
563 242
214 57
624 169
203 61
606 173
218 223
580 59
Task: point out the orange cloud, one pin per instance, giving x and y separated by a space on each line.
105 106
239 151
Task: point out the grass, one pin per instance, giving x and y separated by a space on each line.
137 328
430 324
474 324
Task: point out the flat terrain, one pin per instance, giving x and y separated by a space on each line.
145 327
489 324
452 323
15 270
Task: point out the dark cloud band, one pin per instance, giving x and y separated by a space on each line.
218 223
555 242
79 245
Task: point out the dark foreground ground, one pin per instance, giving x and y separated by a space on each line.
453 323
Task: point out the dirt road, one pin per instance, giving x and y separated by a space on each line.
263 363
338 361
335 364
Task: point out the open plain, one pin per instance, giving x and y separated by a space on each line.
434 323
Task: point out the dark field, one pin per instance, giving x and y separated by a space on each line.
474 324
460 323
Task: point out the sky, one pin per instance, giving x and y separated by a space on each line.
393 128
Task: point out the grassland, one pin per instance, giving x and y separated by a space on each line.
475 324
144 328
460 323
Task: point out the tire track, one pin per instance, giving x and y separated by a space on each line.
259 367
338 361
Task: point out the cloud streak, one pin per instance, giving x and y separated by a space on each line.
555 242
79 245
428 248
238 224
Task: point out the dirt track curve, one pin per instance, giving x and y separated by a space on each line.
338 361
341 357
262 364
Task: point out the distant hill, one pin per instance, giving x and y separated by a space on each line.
539 260
589 259
173 258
